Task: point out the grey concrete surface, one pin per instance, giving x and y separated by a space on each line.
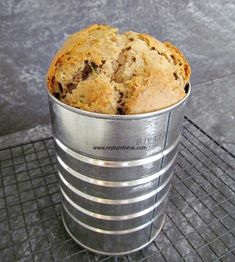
212 107
32 30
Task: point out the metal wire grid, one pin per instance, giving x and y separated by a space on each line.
200 219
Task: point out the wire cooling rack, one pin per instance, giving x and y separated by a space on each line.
200 219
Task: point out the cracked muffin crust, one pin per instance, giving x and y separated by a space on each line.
100 70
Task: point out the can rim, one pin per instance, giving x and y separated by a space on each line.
120 117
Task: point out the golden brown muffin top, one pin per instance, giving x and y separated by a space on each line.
100 70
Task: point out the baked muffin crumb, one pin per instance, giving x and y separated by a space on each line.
100 70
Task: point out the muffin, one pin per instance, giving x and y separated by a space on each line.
103 71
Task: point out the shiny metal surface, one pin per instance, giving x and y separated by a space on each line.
108 163
115 174
74 229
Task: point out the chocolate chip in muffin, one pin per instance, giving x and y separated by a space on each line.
120 97
120 111
56 95
94 66
176 76
70 87
87 70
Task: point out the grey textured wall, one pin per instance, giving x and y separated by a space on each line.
32 30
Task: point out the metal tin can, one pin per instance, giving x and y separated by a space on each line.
115 174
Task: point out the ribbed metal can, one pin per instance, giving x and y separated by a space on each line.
115 174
